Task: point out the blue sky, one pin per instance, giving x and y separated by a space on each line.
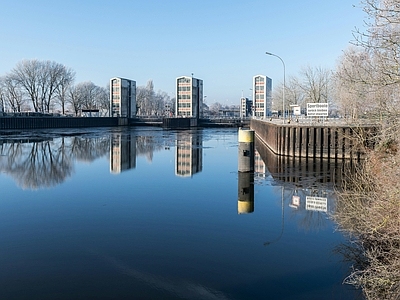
222 42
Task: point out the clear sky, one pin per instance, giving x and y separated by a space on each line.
222 42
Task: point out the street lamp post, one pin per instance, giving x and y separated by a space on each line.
284 84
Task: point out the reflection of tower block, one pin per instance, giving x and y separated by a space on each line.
245 192
122 153
188 154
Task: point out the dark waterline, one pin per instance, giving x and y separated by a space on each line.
152 214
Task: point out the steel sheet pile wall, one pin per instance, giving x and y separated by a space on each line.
55 122
179 122
297 140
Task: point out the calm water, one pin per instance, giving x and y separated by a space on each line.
152 214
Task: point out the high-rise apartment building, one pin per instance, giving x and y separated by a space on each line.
122 97
189 97
262 100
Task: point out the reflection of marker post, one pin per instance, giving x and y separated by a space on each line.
245 192
246 171
246 150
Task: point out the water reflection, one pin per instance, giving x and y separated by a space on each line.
40 162
126 146
113 241
303 172
122 152
189 153
146 145
87 148
245 192
45 162
307 185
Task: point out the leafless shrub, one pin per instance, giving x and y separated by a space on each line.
368 211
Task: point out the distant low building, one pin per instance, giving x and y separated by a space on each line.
122 97
229 112
245 107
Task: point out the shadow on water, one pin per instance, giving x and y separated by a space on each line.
305 172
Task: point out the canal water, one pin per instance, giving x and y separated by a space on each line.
146 213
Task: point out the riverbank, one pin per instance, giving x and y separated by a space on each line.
368 211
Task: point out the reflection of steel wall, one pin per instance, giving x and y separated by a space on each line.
304 171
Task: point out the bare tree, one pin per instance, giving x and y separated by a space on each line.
2 97
170 107
27 74
381 39
316 84
103 101
277 97
39 80
371 73
74 99
11 93
145 98
160 100
294 93
87 95
3 100
52 74
312 85
66 80
368 79
150 96
214 108
150 102
140 100
350 78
